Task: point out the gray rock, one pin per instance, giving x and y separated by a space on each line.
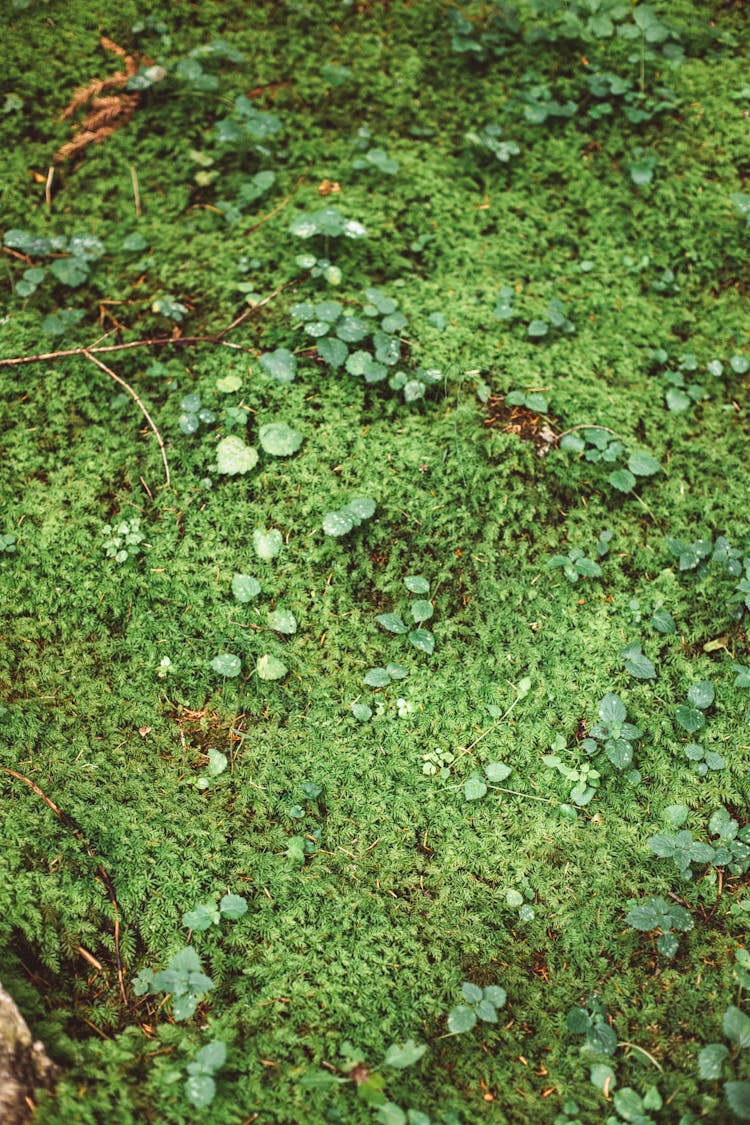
24 1065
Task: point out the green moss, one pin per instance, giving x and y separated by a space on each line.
405 896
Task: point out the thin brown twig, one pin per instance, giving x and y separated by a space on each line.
106 879
139 402
151 342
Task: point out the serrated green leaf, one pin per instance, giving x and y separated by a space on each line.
623 480
643 464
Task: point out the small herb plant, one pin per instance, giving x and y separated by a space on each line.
595 444
183 980
730 850
690 715
123 542
585 778
713 1058
593 1023
479 1004
657 914
217 763
205 915
200 1086
421 610
575 565
613 732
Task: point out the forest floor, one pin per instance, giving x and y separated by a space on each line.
374 673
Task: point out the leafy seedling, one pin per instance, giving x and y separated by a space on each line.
690 715
200 1087
636 664
183 980
614 732
657 913
217 763
479 1004
205 915
575 565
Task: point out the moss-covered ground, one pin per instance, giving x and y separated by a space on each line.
372 901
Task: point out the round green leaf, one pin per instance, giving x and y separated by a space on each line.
280 365
226 664
622 479
337 524
199 1088
233 456
283 621
362 713
416 584
461 1019
231 906
267 544
332 351
245 587
279 440
270 668
474 788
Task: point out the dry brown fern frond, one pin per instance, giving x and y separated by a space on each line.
105 114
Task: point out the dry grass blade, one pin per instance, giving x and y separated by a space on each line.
105 113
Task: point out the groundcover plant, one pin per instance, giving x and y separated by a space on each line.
374 550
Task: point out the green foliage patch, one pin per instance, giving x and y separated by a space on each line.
366 698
